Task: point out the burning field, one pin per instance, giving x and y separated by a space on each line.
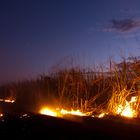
73 101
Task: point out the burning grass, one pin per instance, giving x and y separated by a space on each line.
60 112
75 91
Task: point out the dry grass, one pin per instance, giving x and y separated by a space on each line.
91 91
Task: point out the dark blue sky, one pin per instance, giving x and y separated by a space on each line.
36 35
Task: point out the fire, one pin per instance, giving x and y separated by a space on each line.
127 110
47 111
73 112
7 100
101 115
60 112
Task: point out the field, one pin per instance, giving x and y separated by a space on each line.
107 103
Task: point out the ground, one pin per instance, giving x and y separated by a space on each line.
36 125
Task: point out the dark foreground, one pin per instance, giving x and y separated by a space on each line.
40 126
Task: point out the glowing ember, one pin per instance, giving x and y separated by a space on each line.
47 111
7 100
24 116
1 115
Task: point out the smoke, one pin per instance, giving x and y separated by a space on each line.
124 25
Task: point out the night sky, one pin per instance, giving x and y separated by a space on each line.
37 36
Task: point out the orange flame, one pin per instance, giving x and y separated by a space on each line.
60 112
127 110
7 100
72 112
47 111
